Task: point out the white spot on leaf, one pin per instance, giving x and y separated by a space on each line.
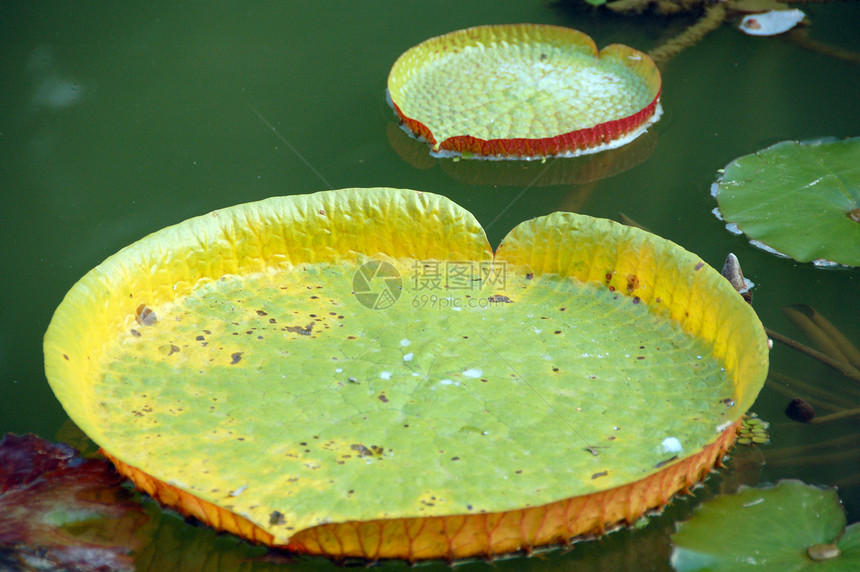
671 445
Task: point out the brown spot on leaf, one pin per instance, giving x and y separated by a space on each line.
854 214
666 462
632 282
276 518
699 266
145 316
302 331
235 358
361 450
498 299
600 474
753 24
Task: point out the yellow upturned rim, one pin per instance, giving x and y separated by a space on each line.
283 235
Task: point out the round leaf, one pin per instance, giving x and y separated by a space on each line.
801 199
767 529
287 368
523 91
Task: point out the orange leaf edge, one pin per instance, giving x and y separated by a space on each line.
465 535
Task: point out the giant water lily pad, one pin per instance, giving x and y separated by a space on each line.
523 91
799 199
356 373
788 527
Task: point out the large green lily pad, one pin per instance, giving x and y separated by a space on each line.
788 527
362 355
800 199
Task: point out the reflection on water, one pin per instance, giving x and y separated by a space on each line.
552 171
52 89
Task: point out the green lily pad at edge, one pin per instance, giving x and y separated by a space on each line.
800 199
767 529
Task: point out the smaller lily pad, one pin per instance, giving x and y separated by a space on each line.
797 199
789 527
523 91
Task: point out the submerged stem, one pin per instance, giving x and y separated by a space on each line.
810 460
847 442
710 21
845 370
791 388
837 415
802 39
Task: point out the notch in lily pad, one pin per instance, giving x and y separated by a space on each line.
523 91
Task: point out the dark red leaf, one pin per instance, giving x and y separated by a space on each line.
60 511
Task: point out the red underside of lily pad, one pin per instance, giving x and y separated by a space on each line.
581 140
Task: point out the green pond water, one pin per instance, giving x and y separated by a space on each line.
118 119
